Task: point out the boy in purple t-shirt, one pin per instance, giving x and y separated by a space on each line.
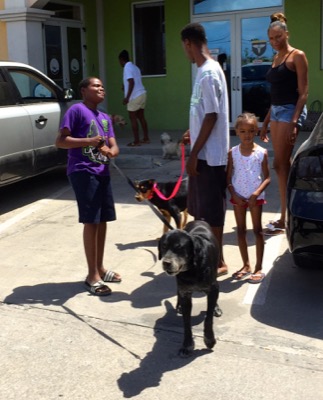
88 135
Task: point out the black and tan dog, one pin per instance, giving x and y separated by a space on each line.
172 208
192 256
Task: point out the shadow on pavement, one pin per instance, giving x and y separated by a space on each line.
294 299
161 359
45 293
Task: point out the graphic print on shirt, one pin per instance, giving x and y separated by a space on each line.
197 95
92 152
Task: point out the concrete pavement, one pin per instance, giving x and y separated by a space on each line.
57 341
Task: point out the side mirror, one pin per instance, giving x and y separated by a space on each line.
69 94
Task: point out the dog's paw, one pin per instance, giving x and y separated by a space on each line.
185 352
210 341
217 311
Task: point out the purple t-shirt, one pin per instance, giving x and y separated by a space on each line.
83 122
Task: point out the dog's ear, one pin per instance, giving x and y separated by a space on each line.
151 182
160 247
198 250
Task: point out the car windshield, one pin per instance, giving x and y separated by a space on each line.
256 72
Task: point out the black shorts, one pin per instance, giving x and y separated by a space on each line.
207 194
94 197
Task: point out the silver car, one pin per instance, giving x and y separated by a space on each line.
31 107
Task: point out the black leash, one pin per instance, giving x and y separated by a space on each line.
156 212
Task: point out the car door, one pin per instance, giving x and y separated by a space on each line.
41 102
16 136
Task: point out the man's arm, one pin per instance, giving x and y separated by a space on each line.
205 131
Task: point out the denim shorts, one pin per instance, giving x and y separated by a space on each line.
94 197
285 113
207 194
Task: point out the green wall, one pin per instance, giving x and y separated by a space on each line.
168 96
304 22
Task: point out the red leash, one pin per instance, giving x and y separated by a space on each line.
178 183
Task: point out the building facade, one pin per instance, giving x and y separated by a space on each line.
71 39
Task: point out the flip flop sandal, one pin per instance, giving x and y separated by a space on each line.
259 275
273 232
110 276
98 288
133 144
222 272
238 275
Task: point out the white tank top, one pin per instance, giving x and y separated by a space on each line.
247 171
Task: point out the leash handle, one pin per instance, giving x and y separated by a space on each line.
178 183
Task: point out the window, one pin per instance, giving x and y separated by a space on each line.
208 6
149 38
66 11
31 88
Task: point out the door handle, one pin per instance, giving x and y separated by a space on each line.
238 83
233 83
41 120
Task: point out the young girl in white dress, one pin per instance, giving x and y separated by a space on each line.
247 178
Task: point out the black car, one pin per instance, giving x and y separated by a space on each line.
256 89
305 201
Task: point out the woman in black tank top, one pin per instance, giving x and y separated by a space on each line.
289 89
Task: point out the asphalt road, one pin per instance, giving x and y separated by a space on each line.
57 341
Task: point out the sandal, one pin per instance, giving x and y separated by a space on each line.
273 232
238 275
274 228
222 271
133 144
145 141
257 277
110 276
98 288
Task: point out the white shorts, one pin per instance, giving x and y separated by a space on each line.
137 103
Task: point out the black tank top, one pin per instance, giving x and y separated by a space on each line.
283 82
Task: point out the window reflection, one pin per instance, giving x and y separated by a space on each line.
210 6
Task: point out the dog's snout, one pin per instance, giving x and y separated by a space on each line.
170 267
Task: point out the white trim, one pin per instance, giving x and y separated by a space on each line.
25 14
101 45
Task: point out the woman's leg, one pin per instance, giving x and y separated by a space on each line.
134 125
143 123
282 161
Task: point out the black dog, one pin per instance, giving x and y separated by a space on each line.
169 208
192 256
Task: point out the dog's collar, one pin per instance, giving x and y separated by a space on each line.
152 192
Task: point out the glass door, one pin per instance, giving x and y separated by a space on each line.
255 58
239 42
64 53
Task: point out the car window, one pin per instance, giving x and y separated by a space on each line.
6 96
255 72
309 167
31 88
